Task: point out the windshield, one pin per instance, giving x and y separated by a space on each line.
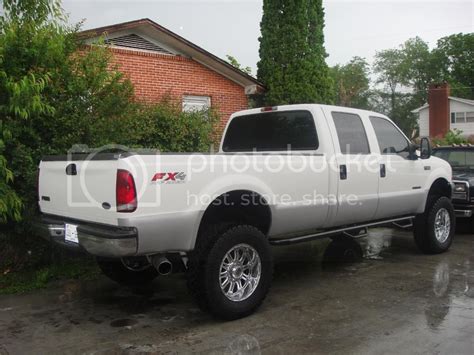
457 158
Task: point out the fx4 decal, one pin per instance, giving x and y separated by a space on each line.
169 178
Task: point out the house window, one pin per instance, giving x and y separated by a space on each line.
196 103
458 117
470 117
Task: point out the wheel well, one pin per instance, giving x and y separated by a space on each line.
440 187
239 207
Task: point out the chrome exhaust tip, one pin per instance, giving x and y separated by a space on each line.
162 265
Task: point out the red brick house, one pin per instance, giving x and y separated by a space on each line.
160 63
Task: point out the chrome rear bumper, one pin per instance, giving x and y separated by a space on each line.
96 239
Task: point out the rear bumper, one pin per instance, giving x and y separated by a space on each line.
96 239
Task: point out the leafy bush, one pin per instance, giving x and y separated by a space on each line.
452 137
10 203
56 93
166 127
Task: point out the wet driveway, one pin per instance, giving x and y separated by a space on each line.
394 300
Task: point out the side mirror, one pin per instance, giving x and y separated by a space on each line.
412 151
425 148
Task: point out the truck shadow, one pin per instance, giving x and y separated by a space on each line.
333 254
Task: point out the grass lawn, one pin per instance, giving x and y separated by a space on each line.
33 279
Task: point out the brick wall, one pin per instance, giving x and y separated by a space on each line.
156 75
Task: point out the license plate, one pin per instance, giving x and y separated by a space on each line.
70 234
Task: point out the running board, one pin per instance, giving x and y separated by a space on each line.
404 226
364 233
327 233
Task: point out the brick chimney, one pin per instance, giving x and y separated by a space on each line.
438 101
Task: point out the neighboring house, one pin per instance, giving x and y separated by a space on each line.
443 113
161 63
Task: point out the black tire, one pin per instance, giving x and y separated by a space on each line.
204 266
424 226
115 270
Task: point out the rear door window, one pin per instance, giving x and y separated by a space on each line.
351 133
271 131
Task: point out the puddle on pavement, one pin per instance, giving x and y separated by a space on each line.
333 253
376 242
243 344
448 304
140 349
130 302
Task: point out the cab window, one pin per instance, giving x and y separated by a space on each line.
271 131
351 133
457 158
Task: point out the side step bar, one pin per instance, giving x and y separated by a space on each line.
330 232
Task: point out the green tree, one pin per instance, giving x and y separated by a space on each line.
351 82
404 74
388 66
52 94
418 68
21 89
455 55
10 203
56 93
292 55
235 63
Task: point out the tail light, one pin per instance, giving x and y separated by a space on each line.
126 193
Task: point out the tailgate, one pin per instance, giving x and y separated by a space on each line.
79 189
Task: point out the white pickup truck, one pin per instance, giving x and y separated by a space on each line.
283 175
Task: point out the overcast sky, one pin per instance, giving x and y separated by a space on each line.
353 27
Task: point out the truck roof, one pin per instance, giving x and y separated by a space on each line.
302 107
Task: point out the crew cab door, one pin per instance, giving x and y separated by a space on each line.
401 177
355 167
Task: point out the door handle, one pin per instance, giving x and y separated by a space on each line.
343 172
71 169
383 171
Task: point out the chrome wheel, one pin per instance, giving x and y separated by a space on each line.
442 226
240 272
